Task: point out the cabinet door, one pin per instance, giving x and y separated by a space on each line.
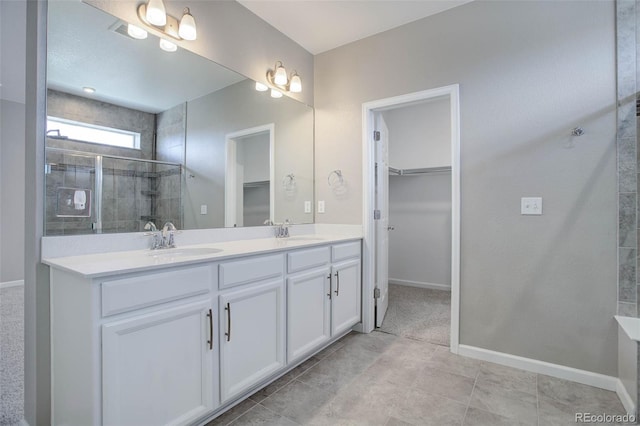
346 300
157 368
252 336
308 311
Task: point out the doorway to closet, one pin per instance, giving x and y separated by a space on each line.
411 256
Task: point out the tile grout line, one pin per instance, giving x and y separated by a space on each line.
464 418
537 403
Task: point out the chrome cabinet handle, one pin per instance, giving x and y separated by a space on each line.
228 333
337 283
210 341
329 278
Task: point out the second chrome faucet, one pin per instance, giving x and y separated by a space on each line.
162 239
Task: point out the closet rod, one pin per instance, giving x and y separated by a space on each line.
403 172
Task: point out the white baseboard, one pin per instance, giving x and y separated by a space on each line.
625 398
541 367
12 284
420 284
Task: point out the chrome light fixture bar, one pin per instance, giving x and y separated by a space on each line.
153 15
277 77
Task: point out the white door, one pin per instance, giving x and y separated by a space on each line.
382 224
345 296
308 312
252 335
157 368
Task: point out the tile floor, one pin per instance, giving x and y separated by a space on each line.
382 379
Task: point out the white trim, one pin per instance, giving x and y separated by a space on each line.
625 398
420 284
8 284
541 367
368 180
230 190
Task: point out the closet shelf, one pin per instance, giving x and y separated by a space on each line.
424 170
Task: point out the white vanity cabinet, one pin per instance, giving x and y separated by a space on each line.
323 296
138 349
157 368
177 344
252 322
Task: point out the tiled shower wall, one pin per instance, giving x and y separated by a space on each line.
134 191
627 19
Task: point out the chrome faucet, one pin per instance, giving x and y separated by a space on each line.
156 241
168 231
282 229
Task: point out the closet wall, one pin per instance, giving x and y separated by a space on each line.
420 205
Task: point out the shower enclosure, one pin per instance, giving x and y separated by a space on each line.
89 193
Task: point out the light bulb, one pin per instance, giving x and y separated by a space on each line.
261 87
276 93
87 89
296 84
136 32
280 77
167 46
187 28
156 13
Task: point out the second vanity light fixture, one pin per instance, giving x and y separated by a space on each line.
154 15
278 78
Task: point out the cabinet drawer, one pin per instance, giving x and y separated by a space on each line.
345 251
249 270
306 259
132 293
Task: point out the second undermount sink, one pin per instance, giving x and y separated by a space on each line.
184 252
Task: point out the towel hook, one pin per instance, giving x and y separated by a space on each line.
338 179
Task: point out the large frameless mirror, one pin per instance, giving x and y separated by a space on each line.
137 134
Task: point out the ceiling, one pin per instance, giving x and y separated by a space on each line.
321 25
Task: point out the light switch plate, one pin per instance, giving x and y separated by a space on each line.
320 206
203 209
531 205
307 206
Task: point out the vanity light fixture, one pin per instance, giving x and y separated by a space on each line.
261 87
136 32
154 15
278 77
167 46
276 93
87 89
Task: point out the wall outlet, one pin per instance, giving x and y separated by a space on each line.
307 206
320 206
531 205
203 209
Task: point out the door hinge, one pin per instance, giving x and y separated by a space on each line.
376 215
376 135
376 293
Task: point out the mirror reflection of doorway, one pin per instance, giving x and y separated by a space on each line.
249 189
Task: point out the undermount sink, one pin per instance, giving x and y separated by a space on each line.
184 252
304 238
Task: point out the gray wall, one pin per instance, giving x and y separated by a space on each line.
541 287
171 128
11 191
234 108
12 122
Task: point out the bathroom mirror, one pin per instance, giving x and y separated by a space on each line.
137 134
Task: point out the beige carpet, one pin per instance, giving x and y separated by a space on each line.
11 355
418 313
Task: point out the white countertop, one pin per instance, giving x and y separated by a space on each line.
630 325
103 264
